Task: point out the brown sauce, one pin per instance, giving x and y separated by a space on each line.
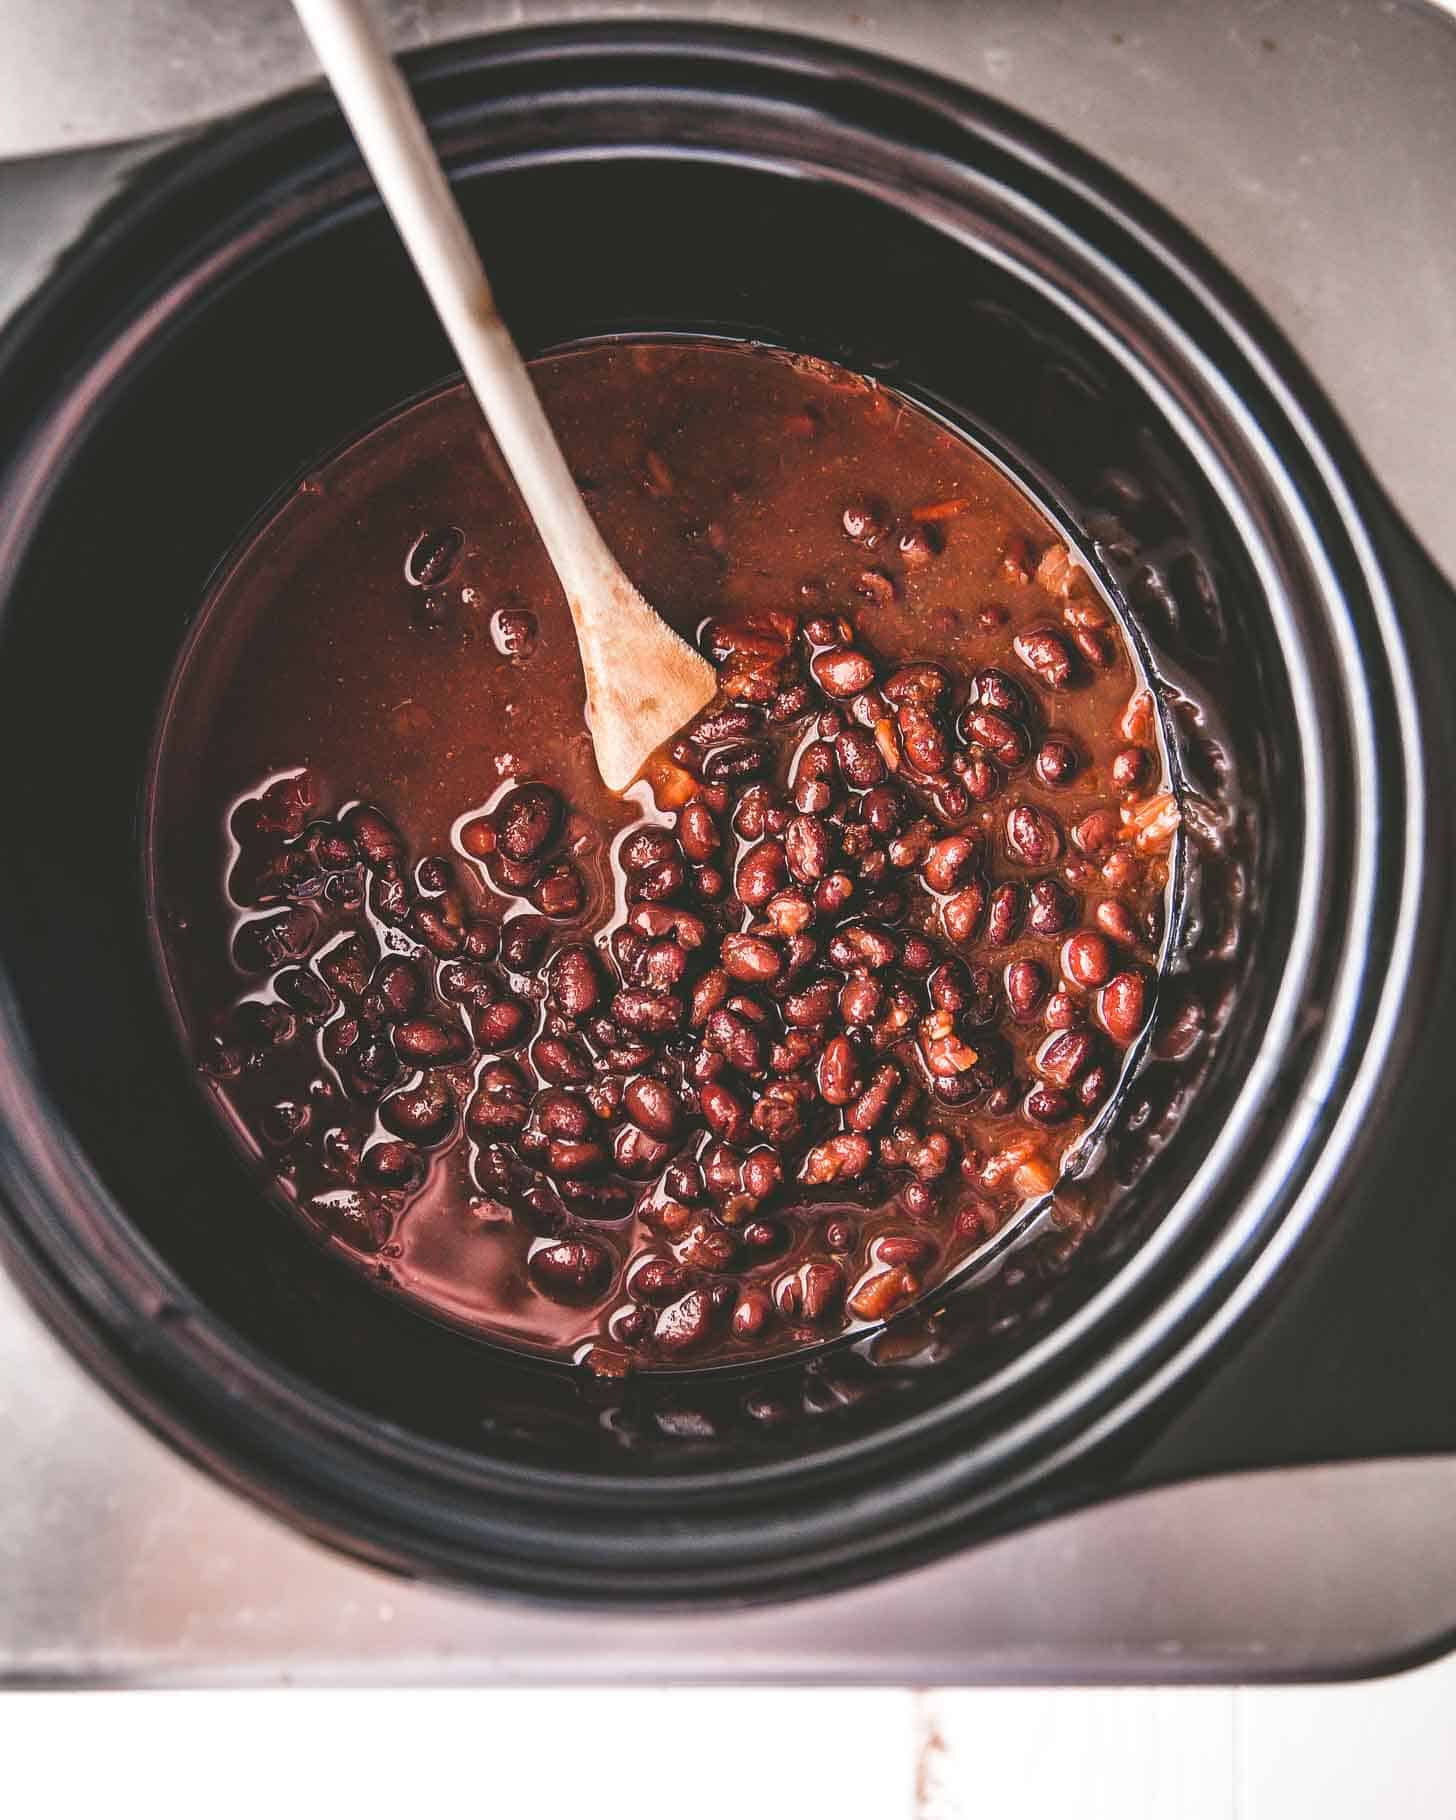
765 1050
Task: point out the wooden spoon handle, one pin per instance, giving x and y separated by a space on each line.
392 137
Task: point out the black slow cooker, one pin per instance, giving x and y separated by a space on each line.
1277 1284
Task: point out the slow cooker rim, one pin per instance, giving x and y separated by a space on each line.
871 68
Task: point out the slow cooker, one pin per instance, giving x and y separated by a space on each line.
1277 1286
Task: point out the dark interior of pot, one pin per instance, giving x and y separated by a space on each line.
309 327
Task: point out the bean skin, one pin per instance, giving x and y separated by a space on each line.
1129 770
724 1113
991 688
839 1079
1123 1007
571 1270
1031 836
697 832
654 1013
1026 987
653 1105
807 848
572 980
950 861
762 871
999 736
1057 763
428 1041
1048 656
1087 959
526 821
1004 915
1115 920
842 672
961 914
860 761
1063 1057
1051 907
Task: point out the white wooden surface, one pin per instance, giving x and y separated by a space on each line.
1337 1753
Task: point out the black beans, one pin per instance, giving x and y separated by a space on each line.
645 848
923 739
400 988
1057 763
376 838
781 985
424 1112
391 1164
1064 1056
1087 959
564 1060
724 721
1004 915
656 1014
743 758
991 688
922 684
761 872
1123 1006
950 861
502 1023
653 1105
527 821
1129 770
1052 908
864 945
859 758
573 981
807 848
1049 657
960 914
698 832
1026 987
842 672
998 735
839 1078
751 958
1032 838
571 1270
430 1042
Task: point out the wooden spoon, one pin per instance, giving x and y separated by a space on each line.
643 682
